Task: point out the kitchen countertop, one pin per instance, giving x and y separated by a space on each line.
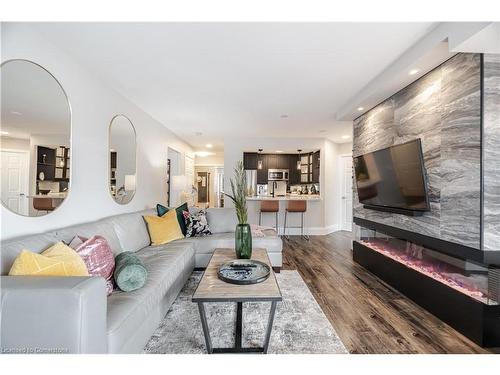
288 197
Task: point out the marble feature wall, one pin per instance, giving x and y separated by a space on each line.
443 109
491 152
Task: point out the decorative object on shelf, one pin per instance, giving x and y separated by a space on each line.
299 164
313 189
44 158
244 272
243 234
41 176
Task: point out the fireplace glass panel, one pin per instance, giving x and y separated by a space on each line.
475 280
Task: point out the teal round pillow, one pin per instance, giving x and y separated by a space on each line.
130 273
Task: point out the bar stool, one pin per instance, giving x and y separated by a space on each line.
296 206
269 206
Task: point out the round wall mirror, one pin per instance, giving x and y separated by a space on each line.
122 159
35 139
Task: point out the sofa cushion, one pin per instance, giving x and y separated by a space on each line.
207 244
103 228
131 231
222 220
127 311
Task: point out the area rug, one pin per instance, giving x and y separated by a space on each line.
300 325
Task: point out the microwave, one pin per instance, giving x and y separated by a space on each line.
277 175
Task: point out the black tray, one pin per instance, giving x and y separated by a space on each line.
244 272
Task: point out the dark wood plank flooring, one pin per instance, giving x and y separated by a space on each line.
368 315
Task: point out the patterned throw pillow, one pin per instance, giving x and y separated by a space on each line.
98 257
196 224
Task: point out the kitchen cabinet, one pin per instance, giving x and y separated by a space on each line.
250 160
282 162
294 173
262 173
315 167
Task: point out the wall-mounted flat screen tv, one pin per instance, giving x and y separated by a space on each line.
393 177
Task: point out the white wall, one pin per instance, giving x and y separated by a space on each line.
210 160
322 216
93 106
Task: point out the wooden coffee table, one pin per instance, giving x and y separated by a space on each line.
212 289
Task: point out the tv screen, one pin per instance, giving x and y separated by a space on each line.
393 177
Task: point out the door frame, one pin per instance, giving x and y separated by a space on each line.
341 181
27 179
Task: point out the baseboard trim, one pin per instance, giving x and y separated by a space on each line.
312 231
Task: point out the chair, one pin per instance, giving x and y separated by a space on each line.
269 206
296 206
43 204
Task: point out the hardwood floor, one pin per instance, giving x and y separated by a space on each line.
368 315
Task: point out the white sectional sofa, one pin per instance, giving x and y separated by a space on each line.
73 314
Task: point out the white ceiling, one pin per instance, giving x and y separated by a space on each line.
238 79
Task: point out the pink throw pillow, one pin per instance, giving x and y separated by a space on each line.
98 256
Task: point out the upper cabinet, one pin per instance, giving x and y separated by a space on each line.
315 167
306 174
250 160
35 139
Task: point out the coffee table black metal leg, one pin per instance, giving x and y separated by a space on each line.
204 324
269 326
239 324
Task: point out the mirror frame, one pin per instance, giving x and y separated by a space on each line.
70 110
108 166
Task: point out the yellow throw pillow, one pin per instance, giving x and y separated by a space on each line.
164 229
57 260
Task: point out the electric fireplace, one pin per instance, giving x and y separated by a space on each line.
457 284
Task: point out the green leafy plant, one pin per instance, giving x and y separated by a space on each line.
239 189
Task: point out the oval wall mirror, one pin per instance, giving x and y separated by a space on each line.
122 159
35 139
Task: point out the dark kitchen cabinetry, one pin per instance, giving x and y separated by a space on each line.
294 173
308 174
315 167
250 160
262 173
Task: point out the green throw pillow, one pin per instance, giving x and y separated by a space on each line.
180 217
130 273
162 210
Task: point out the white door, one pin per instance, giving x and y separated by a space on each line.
14 174
346 191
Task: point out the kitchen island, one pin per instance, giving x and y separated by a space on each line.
288 197
313 218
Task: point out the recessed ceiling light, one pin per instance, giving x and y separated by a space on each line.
16 113
361 108
279 151
345 137
198 133
413 71
284 116
4 133
209 145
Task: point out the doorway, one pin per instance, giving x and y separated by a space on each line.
14 175
346 192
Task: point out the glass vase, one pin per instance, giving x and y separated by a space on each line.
243 241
